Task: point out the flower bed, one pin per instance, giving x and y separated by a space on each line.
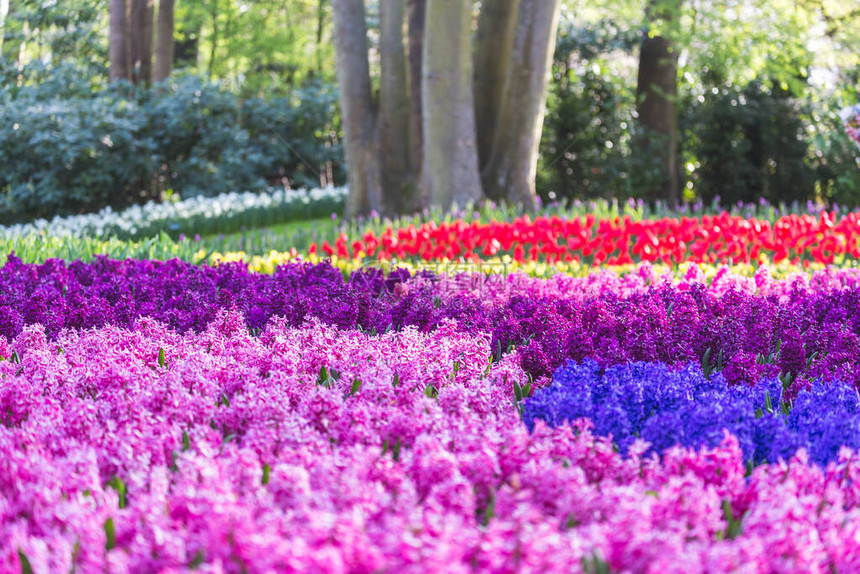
196 215
720 238
320 449
163 416
802 327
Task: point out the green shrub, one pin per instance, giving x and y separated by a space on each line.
201 147
835 159
76 147
750 144
64 155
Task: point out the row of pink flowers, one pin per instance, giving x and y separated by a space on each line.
320 450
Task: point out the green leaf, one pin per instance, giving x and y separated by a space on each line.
595 564
706 362
161 360
356 386
395 452
733 525
267 470
186 441
117 484
26 567
490 510
197 560
110 534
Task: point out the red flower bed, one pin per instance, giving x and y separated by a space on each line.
710 239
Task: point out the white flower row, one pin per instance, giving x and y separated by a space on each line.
192 215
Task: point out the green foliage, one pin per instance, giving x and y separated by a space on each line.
777 139
68 30
297 134
584 149
39 248
835 159
26 567
750 144
201 147
258 47
64 155
74 147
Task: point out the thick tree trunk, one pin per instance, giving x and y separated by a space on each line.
118 41
511 169
493 45
417 9
164 41
398 184
655 95
357 110
142 12
450 150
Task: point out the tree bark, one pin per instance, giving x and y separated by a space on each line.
450 150
398 183
142 12
656 92
357 110
493 44
417 9
164 41
512 167
118 41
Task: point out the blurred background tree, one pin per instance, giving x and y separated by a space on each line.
243 94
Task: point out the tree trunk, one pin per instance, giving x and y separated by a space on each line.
141 40
118 41
398 184
656 92
512 167
417 9
357 110
164 41
450 150
493 45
